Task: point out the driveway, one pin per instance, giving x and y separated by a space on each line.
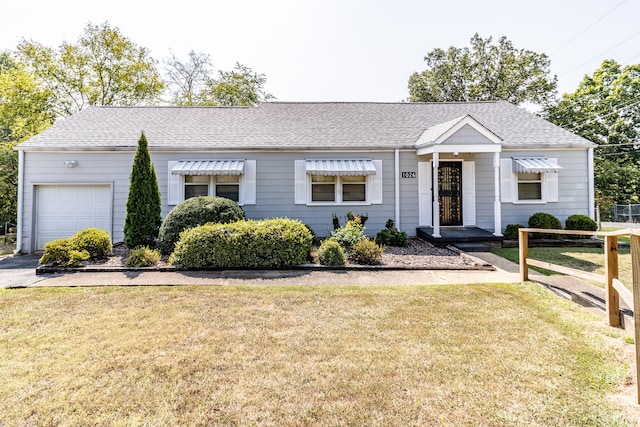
19 270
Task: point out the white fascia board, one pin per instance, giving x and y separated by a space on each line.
460 148
468 120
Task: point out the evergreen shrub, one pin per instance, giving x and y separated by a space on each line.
143 256
366 252
142 219
580 222
391 236
63 253
350 234
95 241
511 231
547 221
193 212
331 253
244 244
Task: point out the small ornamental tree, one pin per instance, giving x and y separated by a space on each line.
143 219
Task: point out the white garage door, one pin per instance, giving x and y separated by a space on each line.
62 210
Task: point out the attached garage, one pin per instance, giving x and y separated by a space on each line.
62 210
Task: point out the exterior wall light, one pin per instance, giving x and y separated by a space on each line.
71 163
456 154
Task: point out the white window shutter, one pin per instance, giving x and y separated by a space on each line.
425 204
469 193
173 186
507 181
375 184
249 183
551 180
300 182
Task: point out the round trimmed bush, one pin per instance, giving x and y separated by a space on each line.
331 253
63 252
250 244
580 222
511 231
194 212
547 221
366 252
93 240
143 256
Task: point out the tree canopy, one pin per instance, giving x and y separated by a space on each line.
24 112
484 72
102 68
605 108
191 83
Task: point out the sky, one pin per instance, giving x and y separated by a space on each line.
342 50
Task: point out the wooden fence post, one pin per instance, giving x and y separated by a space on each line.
611 272
635 270
523 250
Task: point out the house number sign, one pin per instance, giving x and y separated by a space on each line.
408 174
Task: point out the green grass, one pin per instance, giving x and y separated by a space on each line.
413 355
586 259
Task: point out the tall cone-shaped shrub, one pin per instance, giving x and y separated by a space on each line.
143 219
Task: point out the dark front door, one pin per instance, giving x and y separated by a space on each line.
450 193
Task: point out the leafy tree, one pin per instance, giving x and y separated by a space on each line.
484 72
188 79
605 108
192 83
102 68
238 87
24 112
142 220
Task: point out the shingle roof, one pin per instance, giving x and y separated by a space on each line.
279 125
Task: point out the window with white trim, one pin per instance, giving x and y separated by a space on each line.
529 186
212 185
338 189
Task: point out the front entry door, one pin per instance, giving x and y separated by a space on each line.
450 193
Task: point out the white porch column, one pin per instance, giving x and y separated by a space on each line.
436 201
497 206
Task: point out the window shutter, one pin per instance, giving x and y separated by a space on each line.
507 181
551 180
173 186
300 182
424 194
249 183
469 193
375 190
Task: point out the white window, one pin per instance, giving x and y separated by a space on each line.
233 179
319 182
531 180
212 185
529 186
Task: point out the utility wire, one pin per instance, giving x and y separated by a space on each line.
601 53
588 27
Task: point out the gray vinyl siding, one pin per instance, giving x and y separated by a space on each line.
485 191
409 193
467 136
573 188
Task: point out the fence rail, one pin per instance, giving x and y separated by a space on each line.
615 289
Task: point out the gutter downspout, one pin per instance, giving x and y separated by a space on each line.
20 202
397 187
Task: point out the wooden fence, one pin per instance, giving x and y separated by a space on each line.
615 289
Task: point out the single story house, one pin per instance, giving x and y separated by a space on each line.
427 166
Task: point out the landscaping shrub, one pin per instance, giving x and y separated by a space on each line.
580 222
362 218
249 244
511 231
142 219
351 233
93 240
193 212
331 253
545 220
143 256
390 236
63 252
366 252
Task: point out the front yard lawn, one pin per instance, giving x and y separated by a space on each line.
413 355
586 259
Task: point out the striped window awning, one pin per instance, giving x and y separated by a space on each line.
340 167
208 167
535 165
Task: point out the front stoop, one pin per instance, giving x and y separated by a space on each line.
467 239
